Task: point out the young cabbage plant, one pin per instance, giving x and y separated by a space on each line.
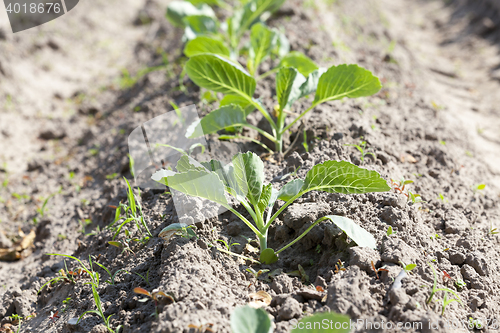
205 34
265 42
215 73
243 181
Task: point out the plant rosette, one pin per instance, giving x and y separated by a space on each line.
299 78
243 181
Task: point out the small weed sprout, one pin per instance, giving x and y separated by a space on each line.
112 277
99 311
179 229
64 276
435 236
300 272
435 289
94 283
400 187
43 208
361 147
492 231
154 296
227 245
256 274
339 267
390 231
123 244
54 316
304 143
442 198
132 212
447 301
65 304
479 187
145 278
408 268
83 224
459 283
414 198
17 320
474 324
381 269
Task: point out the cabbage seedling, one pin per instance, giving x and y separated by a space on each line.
205 34
243 181
216 73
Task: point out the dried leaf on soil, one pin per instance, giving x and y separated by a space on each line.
21 249
259 299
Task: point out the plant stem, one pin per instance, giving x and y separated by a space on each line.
250 225
298 118
433 291
253 214
263 242
303 234
261 131
282 208
266 74
241 137
264 113
236 255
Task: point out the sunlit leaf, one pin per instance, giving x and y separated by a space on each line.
288 83
359 235
223 117
215 73
202 184
249 175
262 41
343 177
178 10
238 100
299 61
251 13
349 81
199 25
204 44
290 189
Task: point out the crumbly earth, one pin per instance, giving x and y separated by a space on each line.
435 122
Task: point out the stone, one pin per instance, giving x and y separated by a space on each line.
299 214
456 258
478 262
363 257
396 250
291 308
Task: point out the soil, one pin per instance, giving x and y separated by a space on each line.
66 114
